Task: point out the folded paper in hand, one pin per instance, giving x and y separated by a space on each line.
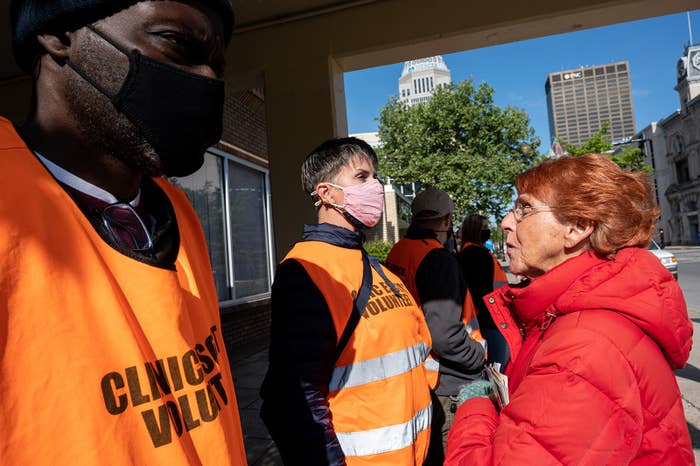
499 384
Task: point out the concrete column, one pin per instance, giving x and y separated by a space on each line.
305 105
392 214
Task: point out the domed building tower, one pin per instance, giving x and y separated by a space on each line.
420 77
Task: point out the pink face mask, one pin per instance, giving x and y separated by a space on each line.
364 201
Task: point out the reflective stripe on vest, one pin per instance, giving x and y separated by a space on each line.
385 366
384 439
432 365
474 332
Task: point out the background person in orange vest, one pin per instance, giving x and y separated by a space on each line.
347 381
109 322
483 274
433 276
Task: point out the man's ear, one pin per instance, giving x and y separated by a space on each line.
578 233
58 46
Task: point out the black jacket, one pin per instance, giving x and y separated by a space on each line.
442 289
477 266
302 355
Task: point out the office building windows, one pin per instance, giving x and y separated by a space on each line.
585 97
426 74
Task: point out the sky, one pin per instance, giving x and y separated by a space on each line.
517 71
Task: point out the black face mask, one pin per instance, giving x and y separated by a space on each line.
485 235
179 113
450 242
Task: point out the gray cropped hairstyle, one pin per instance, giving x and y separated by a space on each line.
325 162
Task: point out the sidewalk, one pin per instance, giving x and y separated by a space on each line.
248 373
249 370
689 382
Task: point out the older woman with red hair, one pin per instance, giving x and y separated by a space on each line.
595 331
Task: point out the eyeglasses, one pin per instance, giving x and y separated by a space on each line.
126 228
521 211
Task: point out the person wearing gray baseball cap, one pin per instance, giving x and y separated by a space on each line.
433 276
431 204
111 336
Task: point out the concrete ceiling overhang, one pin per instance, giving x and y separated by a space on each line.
250 15
366 33
352 30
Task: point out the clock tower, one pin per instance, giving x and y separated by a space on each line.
688 69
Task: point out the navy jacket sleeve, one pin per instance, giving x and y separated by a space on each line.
295 390
442 290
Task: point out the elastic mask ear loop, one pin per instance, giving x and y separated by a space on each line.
339 208
87 78
84 75
107 39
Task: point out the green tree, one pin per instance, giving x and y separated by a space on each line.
378 249
625 156
461 142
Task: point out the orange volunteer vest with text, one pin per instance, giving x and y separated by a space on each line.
104 359
379 391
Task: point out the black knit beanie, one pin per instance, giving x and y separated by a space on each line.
32 17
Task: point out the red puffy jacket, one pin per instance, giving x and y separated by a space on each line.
591 382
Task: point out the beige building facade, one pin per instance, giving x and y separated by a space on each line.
672 147
683 154
683 146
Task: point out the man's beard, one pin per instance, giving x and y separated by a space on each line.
103 126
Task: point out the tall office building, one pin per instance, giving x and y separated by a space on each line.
579 101
420 77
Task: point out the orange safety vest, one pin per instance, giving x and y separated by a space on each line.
105 360
405 258
499 279
379 394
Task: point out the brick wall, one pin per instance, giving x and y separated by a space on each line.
245 327
244 123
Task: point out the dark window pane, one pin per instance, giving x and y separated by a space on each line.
204 190
247 199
